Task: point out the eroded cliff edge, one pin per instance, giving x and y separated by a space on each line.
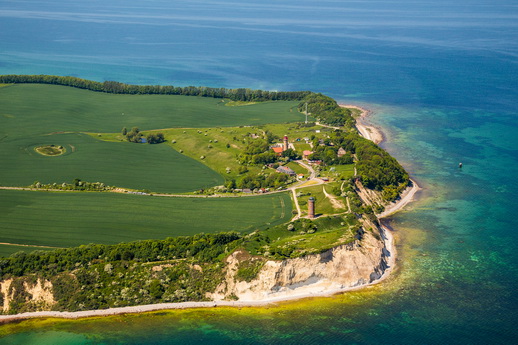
347 266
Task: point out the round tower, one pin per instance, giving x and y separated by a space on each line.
311 208
285 143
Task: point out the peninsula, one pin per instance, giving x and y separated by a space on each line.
308 167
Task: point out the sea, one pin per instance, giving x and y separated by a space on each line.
441 78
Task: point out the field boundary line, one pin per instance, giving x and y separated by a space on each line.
27 245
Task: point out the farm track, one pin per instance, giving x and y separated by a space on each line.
27 245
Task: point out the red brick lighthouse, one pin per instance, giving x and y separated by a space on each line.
285 143
311 208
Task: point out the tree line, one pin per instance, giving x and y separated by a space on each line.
98 276
239 94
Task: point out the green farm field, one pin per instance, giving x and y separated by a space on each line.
65 219
33 115
29 109
157 168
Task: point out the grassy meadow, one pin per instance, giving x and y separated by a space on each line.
220 146
65 219
338 171
323 205
331 232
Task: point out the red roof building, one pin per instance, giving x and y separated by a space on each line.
306 154
278 150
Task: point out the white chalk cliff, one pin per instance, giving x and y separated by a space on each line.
350 265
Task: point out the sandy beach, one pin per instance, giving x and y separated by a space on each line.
406 197
367 131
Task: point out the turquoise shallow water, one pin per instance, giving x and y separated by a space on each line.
441 78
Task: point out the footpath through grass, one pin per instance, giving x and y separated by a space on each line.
66 219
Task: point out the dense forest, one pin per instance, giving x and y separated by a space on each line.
326 110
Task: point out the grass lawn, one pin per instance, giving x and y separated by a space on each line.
322 203
318 241
297 168
292 130
211 143
301 146
331 232
339 171
65 219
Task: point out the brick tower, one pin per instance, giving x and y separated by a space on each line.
285 143
311 208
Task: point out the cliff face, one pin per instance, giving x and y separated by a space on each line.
350 265
32 295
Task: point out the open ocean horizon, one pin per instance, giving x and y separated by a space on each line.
441 79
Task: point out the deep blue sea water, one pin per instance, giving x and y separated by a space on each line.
442 78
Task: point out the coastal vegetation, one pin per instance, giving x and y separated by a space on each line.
326 110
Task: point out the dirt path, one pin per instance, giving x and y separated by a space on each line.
299 212
337 204
327 126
